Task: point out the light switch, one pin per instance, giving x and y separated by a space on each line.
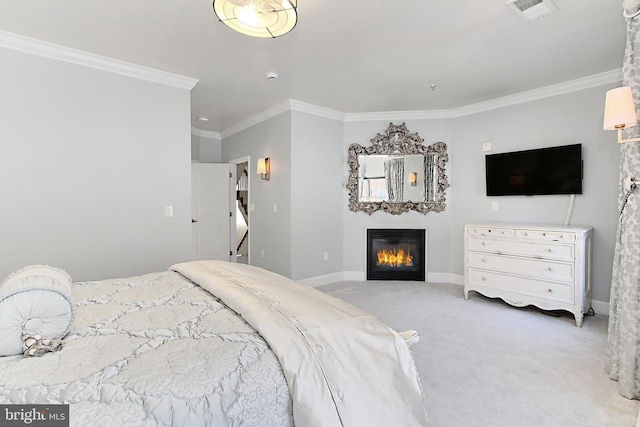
486 146
495 206
275 208
168 211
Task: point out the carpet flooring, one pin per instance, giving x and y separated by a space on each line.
487 364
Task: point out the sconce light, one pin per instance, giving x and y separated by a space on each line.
413 179
620 112
264 168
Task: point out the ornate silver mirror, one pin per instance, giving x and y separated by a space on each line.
397 174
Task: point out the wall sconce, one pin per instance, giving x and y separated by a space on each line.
620 112
413 179
264 168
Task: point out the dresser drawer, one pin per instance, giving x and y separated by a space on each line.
490 231
542 269
528 249
522 285
550 236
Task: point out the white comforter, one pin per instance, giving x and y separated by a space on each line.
159 350
343 366
154 350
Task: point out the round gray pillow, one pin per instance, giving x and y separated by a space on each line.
35 300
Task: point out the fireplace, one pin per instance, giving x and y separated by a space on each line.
396 254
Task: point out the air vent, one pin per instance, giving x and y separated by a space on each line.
530 10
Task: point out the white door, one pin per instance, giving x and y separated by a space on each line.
210 210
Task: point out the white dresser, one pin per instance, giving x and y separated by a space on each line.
526 264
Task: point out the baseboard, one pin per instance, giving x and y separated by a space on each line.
455 279
600 307
331 278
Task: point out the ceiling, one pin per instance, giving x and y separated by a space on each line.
356 56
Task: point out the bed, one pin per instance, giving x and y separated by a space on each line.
206 343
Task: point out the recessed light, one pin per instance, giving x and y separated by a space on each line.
202 119
272 76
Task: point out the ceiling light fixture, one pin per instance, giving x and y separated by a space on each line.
202 119
258 18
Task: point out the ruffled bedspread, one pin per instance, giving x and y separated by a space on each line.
154 350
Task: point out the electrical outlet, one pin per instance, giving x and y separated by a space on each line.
168 211
261 253
326 256
495 206
486 146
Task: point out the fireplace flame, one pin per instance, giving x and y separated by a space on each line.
395 258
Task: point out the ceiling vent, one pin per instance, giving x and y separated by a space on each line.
530 10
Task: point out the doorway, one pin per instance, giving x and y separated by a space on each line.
241 207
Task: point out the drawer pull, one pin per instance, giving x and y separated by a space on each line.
484 260
549 269
484 243
484 279
549 250
544 234
550 290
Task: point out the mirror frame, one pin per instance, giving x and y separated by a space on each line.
398 140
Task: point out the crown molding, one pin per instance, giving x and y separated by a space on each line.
53 51
205 133
316 110
264 115
608 77
613 76
283 107
398 115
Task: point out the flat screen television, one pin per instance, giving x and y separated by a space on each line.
552 170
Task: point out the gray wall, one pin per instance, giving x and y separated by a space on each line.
206 150
89 160
316 196
565 119
269 231
437 224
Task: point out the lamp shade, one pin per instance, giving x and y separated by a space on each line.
262 167
619 109
413 178
258 18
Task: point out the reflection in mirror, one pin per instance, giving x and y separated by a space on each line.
392 178
397 174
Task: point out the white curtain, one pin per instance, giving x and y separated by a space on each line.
623 351
394 174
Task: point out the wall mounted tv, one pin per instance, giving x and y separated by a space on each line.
552 170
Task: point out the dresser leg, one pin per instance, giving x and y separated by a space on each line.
466 294
579 319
